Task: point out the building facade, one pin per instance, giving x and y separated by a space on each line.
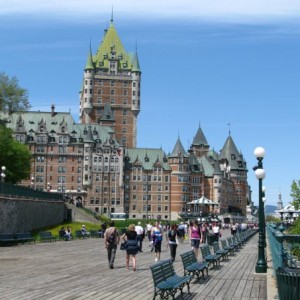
96 161
110 93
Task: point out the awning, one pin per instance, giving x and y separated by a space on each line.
202 201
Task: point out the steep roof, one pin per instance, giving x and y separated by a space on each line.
194 164
230 153
200 138
147 157
112 42
208 168
135 62
107 114
89 63
178 150
53 123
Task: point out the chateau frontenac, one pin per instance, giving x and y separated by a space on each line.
97 162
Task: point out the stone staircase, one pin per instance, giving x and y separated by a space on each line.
79 215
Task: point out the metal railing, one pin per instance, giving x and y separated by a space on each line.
12 190
281 245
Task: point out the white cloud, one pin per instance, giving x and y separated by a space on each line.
217 10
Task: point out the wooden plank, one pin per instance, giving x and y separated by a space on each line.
79 270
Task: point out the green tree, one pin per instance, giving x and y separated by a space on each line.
15 156
295 193
12 96
270 218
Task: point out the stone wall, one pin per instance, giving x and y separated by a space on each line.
21 215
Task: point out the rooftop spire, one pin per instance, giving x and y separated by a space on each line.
112 15
229 128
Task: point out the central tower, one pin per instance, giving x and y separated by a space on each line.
110 93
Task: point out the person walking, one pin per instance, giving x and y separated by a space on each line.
112 239
132 248
195 237
157 240
140 235
173 241
204 233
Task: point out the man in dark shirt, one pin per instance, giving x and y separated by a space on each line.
111 238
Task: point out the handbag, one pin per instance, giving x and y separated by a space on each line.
123 246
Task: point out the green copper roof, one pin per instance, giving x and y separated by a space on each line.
200 138
112 43
89 63
53 124
107 113
178 150
147 158
230 152
207 166
135 63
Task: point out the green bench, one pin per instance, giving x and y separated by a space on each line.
79 234
232 243
217 250
166 281
46 236
210 258
7 239
24 237
225 246
192 267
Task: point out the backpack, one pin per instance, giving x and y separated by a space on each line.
111 238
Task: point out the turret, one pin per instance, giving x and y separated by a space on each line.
88 86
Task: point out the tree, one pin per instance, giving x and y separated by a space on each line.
295 193
15 156
270 218
12 96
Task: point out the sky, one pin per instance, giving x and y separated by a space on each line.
230 67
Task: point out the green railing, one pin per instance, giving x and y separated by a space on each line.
12 190
285 265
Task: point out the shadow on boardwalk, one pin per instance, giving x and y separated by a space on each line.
78 270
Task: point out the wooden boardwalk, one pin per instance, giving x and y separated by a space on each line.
79 270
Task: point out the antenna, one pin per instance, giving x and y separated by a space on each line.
229 127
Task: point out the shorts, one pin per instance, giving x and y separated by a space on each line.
157 247
195 243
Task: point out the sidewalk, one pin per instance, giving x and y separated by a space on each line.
78 270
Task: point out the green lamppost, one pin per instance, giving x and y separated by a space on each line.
261 265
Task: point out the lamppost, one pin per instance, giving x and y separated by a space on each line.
264 199
261 265
3 175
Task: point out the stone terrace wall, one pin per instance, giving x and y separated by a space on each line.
21 215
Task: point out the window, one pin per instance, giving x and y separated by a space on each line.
112 92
